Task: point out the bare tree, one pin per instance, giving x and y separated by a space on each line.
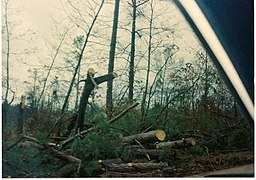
134 5
109 99
148 64
6 22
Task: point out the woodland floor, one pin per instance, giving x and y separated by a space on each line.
21 162
189 165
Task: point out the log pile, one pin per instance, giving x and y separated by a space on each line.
150 145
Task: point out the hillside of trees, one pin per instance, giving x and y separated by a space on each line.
127 90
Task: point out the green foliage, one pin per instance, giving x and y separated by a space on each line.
89 168
126 154
241 138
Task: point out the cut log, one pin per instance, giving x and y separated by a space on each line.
109 162
131 167
151 136
184 143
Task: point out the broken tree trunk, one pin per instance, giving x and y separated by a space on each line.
184 143
63 143
90 84
151 136
131 167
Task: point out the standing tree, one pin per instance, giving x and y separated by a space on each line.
7 33
109 99
148 64
134 5
10 34
131 69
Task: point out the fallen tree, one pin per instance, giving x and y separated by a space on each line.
184 143
151 136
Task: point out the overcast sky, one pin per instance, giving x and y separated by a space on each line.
37 16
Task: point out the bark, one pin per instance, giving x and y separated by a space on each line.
151 136
184 143
131 167
109 99
63 143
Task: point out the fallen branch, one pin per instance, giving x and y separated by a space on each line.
56 123
22 138
63 143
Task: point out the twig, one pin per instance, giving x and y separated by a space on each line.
55 124
162 110
142 148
